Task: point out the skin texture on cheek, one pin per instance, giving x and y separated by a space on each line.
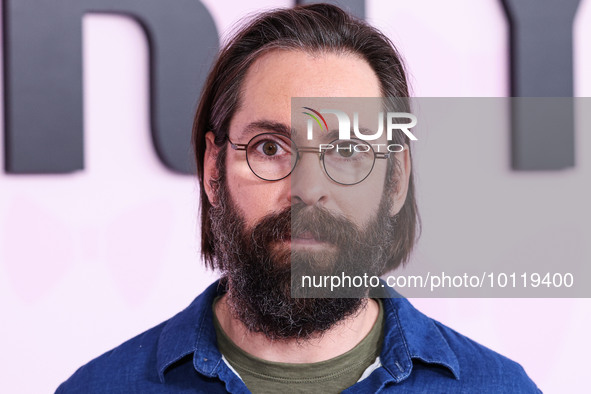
254 197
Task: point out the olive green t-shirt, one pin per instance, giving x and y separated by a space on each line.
330 376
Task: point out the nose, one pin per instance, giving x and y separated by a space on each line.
308 182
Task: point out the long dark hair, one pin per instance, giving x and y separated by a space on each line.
312 28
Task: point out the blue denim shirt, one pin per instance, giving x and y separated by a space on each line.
419 355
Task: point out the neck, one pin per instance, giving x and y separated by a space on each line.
341 338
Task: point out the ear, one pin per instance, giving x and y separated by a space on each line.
402 175
210 171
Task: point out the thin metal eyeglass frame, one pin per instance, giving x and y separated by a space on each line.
305 149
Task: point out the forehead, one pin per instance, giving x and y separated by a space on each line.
277 76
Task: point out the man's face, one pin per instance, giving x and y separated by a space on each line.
269 85
263 207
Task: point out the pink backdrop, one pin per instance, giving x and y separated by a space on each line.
90 259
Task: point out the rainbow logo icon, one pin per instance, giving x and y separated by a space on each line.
318 115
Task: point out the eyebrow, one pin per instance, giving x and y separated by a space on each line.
277 127
331 135
265 125
334 134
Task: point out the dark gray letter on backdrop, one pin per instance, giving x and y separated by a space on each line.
542 66
43 78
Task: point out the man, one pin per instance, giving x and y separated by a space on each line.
267 204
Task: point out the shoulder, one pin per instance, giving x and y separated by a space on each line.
128 365
140 364
436 356
480 366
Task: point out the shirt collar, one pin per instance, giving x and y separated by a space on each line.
408 335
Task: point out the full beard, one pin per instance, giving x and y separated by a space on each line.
257 263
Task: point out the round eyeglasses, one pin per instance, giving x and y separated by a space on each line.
273 156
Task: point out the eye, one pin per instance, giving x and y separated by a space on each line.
349 151
346 150
270 148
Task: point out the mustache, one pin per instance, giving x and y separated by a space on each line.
301 219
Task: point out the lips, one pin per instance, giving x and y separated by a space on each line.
306 235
